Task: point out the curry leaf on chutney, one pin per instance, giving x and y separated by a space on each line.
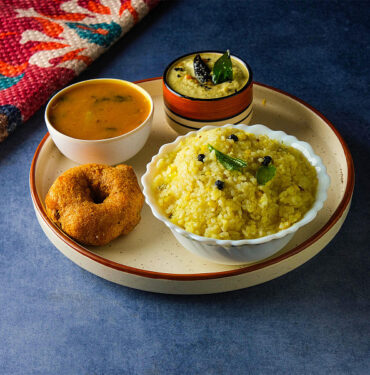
222 70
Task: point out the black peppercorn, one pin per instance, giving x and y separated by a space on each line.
201 157
219 184
266 161
233 137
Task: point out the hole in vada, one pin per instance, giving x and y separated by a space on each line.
98 196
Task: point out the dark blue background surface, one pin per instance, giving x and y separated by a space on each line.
56 318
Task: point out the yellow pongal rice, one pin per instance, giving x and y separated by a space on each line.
186 191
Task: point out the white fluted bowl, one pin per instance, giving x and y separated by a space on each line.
248 250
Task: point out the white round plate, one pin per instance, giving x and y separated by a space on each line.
151 259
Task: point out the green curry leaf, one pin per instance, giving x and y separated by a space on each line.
265 174
231 164
222 70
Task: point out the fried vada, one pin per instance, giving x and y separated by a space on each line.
95 203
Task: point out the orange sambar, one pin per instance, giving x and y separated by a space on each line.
98 110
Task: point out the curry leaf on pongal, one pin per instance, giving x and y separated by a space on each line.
230 163
265 174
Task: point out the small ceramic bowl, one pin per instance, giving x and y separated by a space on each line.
184 113
248 250
103 151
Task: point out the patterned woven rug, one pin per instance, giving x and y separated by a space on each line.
44 44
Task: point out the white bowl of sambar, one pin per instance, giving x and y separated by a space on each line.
104 121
